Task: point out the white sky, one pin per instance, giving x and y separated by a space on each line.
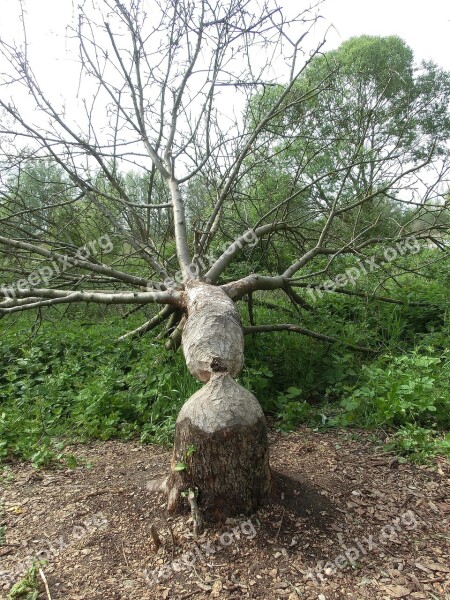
424 25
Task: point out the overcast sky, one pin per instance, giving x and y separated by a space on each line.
425 26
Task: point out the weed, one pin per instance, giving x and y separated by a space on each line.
27 587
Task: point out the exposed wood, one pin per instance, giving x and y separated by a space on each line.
213 329
221 456
45 582
195 512
224 424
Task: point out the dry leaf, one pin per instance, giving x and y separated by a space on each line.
433 566
17 510
397 591
216 589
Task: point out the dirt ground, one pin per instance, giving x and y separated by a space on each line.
347 521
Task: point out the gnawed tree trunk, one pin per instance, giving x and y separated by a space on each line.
221 446
213 330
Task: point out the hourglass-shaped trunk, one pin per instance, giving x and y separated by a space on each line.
221 447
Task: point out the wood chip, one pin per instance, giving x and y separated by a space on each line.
397 591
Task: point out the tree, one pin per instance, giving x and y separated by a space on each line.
157 105
375 108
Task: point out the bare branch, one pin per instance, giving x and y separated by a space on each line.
51 297
302 331
159 318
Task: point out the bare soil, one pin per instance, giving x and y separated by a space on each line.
347 521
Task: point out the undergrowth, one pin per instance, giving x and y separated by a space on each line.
70 380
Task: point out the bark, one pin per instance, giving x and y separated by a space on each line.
221 446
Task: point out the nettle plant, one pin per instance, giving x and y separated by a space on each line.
401 390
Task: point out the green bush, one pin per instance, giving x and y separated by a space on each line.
418 443
401 390
76 383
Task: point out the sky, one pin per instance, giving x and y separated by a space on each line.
425 26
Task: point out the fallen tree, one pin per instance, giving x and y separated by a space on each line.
163 97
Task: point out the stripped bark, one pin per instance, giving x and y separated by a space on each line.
221 447
213 330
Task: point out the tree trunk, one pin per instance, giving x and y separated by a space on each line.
221 446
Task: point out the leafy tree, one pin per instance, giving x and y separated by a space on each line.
363 113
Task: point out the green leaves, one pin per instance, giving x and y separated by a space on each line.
419 444
26 588
338 126
180 466
191 450
76 383
400 390
387 62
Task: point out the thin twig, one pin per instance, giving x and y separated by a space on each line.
44 579
99 492
125 556
281 524
155 537
173 540
195 511
186 596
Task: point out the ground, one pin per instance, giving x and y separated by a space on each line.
347 521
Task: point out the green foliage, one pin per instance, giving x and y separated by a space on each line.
292 411
77 383
418 443
72 381
191 450
385 62
180 466
255 376
39 187
26 588
400 390
350 106
405 387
